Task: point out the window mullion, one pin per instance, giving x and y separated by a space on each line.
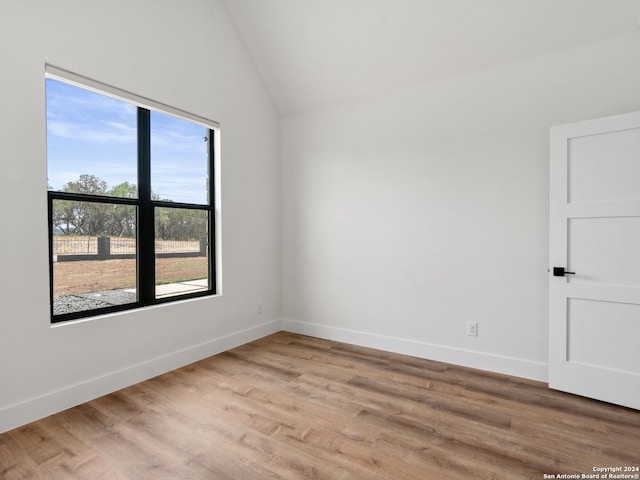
211 252
146 234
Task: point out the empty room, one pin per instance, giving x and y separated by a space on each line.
338 239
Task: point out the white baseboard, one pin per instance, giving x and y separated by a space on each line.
467 358
35 408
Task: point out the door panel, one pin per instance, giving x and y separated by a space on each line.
594 314
596 343
607 250
597 176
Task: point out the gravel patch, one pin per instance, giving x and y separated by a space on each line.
91 301
112 297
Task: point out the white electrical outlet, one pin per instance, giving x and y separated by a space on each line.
472 329
259 309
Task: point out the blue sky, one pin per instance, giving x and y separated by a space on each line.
96 134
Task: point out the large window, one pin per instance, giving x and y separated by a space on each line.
131 200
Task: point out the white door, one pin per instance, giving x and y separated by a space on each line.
594 309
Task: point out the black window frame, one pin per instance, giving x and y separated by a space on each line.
145 223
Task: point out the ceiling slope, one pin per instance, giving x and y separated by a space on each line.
313 53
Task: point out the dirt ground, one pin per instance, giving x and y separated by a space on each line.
96 275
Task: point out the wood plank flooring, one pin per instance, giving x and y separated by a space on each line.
289 406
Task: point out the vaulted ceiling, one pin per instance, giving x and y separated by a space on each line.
313 53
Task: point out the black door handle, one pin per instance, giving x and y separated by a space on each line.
561 272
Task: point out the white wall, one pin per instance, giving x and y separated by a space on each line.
184 54
407 215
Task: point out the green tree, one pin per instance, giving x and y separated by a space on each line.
180 224
90 217
89 184
81 218
73 217
121 219
64 217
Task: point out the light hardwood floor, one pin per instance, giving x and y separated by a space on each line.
289 406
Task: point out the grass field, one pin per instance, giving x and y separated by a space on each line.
71 278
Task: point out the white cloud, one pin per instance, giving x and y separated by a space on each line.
113 132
